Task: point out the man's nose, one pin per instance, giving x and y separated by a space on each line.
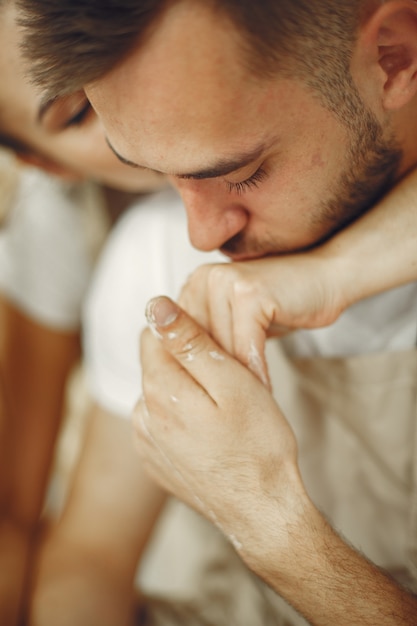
213 218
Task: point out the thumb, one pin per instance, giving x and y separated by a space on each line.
190 345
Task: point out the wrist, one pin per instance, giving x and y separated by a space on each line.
342 273
284 510
362 263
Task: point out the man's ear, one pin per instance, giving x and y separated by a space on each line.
48 165
389 39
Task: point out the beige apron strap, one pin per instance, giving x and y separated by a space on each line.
413 513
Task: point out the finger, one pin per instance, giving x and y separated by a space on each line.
167 385
219 285
251 322
143 441
278 330
205 297
250 350
155 459
140 420
193 297
193 347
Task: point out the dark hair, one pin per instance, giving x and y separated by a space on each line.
71 43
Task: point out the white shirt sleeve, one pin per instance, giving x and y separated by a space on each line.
386 322
147 254
45 257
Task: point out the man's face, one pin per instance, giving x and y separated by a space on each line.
262 166
66 131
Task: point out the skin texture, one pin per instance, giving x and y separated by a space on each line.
224 419
242 474
285 210
300 194
241 304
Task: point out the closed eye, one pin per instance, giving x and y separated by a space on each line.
78 118
65 112
249 184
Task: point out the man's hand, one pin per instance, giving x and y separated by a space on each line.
210 432
241 304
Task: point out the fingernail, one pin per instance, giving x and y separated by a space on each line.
161 311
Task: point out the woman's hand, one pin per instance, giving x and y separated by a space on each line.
241 304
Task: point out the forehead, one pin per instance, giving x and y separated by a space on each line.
184 84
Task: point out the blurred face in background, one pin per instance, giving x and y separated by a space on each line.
63 136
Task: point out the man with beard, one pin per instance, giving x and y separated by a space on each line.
279 123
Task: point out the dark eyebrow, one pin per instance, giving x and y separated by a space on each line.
221 168
122 158
226 166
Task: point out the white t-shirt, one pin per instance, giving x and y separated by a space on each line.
46 254
386 322
149 254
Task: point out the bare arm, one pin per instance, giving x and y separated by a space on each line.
88 561
226 449
325 579
35 362
243 303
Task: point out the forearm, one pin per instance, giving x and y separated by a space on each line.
325 579
87 563
75 586
379 251
227 450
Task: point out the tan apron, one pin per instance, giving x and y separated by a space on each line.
355 420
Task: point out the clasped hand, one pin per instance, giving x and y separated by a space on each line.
241 304
208 430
